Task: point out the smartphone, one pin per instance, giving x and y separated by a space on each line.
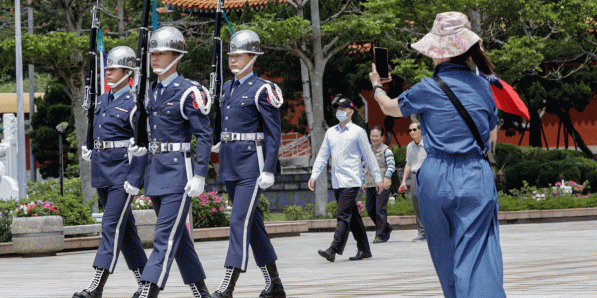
380 56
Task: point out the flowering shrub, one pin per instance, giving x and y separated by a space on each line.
141 202
39 208
360 206
209 210
571 187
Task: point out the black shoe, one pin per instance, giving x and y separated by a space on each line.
137 272
273 284
361 255
379 240
96 287
149 290
199 289
227 285
329 254
390 229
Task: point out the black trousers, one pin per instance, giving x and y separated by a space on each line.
349 219
377 207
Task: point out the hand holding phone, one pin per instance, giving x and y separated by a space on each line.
380 56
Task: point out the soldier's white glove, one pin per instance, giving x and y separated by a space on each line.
136 150
86 153
195 186
265 180
216 148
131 190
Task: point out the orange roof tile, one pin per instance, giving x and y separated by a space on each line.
8 102
211 5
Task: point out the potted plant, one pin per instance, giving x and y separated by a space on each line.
37 229
145 219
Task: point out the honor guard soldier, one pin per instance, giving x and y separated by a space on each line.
177 108
250 141
110 168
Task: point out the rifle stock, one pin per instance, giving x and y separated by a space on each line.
91 77
142 77
215 77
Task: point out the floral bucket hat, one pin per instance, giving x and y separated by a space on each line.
450 36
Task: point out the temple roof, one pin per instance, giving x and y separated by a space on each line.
211 5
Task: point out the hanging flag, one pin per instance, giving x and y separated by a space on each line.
506 99
154 16
102 54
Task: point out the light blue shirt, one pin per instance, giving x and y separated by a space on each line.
166 82
122 90
241 81
347 146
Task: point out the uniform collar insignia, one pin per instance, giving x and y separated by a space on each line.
244 96
170 103
176 84
250 83
121 109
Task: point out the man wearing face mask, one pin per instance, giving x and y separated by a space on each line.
110 168
347 144
177 108
250 141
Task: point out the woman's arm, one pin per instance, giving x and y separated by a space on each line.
388 105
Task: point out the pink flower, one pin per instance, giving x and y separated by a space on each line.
211 193
213 209
217 199
202 197
221 208
558 184
35 214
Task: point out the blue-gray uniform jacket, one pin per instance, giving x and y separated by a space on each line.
238 159
173 121
112 122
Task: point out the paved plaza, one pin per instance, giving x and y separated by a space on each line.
540 260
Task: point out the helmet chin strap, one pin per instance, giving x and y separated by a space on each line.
112 85
160 71
236 71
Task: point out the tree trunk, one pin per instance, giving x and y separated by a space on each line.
565 117
535 129
318 133
77 94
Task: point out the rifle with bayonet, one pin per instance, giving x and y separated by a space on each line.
141 80
91 76
216 75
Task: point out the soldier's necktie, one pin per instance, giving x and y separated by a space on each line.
234 85
158 91
110 97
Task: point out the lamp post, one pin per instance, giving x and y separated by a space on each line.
61 128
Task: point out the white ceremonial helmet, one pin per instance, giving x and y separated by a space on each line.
245 41
121 57
167 39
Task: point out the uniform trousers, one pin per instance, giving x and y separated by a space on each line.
412 191
246 226
119 232
459 209
377 208
172 241
349 219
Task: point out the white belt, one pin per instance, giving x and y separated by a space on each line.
234 136
159 147
99 144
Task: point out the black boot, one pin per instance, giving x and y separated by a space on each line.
227 285
149 290
273 283
199 289
96 287
137 272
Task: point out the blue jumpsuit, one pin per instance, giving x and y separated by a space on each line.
110 168
172 120
239 167
457 198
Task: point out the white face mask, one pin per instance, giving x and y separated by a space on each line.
160 71
341 115
112 85
237 71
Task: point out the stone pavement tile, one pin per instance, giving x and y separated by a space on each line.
552 260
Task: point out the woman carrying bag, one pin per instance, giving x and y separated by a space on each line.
458 203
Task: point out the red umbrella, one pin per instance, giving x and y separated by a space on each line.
506 99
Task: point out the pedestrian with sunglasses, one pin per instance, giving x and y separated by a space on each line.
415 155
459 204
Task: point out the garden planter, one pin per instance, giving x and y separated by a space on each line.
41 235
145 220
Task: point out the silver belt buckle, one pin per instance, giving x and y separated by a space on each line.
155 147
225 136
98 145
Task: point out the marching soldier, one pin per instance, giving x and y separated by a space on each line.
110 168
250 140
177 108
